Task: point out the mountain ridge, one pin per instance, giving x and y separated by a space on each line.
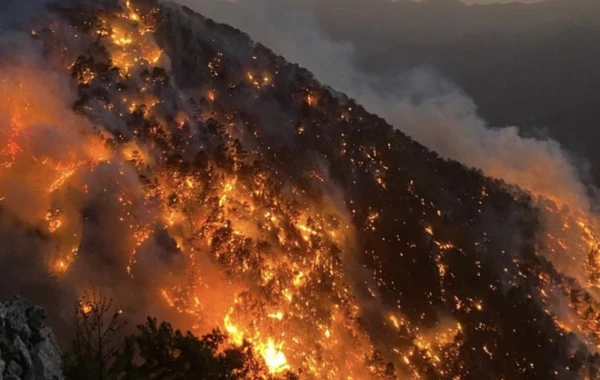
231 187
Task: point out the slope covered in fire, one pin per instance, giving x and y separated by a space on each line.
176 164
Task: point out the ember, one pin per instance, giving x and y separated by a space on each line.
333 245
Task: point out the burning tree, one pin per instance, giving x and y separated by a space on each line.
101 351
238 191
97 347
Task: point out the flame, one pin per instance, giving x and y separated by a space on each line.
86 308
261 254
274 357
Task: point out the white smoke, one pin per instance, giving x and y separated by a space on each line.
423 104
44 142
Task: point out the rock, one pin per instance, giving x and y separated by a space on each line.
16 317
28 349
13 371
47 362
20 351
36 317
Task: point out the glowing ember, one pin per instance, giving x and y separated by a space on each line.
86 308
274 357
308 258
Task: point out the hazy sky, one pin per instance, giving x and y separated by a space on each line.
500 1
418 101
480 1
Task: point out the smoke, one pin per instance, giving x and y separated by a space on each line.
87 200
14 14
430 109
56 174
419 102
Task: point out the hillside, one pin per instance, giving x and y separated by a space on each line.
174 163
533 66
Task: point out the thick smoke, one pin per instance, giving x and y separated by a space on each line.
24 253
48 152
422 104
14 14
97 197
418 102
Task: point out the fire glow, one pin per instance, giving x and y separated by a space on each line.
265 258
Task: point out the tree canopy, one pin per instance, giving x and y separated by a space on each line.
100 350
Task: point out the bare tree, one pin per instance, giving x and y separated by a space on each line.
98 339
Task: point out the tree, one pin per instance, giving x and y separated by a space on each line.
100 350
169 354
97 345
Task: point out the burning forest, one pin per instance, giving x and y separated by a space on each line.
186 170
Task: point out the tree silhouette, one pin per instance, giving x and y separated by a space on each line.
100 351
97 345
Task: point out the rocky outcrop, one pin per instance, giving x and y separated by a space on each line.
28 349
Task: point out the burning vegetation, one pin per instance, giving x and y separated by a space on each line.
284 213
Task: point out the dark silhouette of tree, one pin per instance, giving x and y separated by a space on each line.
169 354
97 344
100 350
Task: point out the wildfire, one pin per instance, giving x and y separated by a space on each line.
61 266
264 253
274 357
86 308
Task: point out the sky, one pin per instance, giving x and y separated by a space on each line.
501 1
419 101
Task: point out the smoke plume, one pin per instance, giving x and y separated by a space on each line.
56 175
174 165
419 102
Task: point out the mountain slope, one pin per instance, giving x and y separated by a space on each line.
533 66
193 170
